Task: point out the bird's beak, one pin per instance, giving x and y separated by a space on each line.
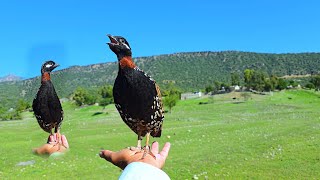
113 40
54 66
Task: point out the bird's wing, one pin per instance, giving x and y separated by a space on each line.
160 108
55 107
153 109
41 111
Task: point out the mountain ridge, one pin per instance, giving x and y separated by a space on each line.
10 77
187 70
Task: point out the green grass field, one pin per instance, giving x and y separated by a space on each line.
267 137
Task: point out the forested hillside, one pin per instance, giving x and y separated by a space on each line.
188 71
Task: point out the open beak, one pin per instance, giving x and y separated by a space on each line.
113 41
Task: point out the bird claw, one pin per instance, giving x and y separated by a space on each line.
146 150
133 148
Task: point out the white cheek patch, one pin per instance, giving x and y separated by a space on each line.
48 65
126 46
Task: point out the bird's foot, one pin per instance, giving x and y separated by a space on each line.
133 148
57 142
146 150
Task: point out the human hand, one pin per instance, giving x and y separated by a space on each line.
56 143
126 156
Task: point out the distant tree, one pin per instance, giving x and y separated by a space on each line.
282 84
257 80
316 82
22 105
268 86
248 74
2 112
106 95
310 86
14 115
172 95
274 82
79 96
2 109
106 91
208 89
217 86
90 98
10 115
170 101
235 79
170 88
105 102
225 86
293 83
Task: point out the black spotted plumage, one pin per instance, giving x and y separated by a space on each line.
136 95
46 105
138 102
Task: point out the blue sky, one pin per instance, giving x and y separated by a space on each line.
74 32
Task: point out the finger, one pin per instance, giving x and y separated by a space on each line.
165 150
106 154
59 138
50 139
155 147
55 137
64 141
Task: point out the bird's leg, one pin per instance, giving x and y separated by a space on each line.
146 149
138 146
139 142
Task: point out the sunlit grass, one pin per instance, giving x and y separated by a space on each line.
272 137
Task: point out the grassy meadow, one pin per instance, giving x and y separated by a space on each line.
273 136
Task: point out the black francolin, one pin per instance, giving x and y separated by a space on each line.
46 105
137 97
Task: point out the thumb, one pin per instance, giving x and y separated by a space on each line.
106 154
